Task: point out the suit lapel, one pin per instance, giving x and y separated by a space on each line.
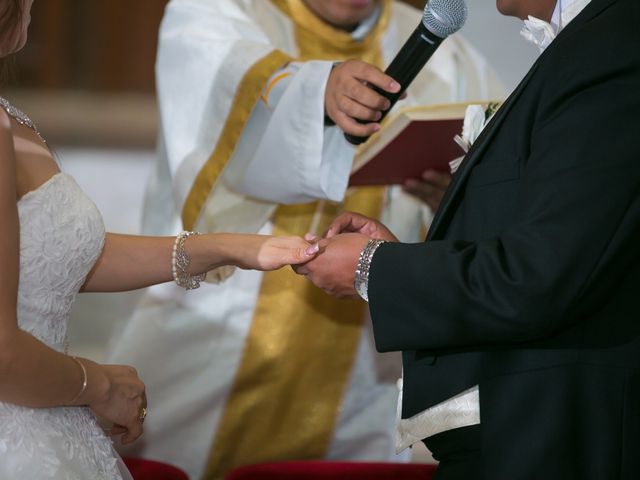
474 154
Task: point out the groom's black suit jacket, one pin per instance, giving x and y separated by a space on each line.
529 281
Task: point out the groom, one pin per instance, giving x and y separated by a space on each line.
517 317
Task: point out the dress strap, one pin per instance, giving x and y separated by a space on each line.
20 117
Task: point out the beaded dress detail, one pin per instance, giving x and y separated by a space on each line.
61 236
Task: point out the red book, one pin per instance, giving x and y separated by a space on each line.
410 142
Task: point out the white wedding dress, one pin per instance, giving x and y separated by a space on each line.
61 237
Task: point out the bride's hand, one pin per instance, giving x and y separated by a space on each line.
122 402
261 252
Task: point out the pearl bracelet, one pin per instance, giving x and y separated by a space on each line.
361 279
180 262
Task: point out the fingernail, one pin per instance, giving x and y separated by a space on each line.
395 86
312 249
376 127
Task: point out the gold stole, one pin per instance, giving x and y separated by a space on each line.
298 356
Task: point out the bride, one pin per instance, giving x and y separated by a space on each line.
52 246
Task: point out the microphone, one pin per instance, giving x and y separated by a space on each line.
440 19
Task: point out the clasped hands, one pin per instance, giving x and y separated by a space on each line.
333 268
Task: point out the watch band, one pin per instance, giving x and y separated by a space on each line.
361 279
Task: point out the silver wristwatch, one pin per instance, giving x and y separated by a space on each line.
361 280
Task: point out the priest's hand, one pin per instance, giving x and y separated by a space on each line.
333 270
349 96
430 189
350 222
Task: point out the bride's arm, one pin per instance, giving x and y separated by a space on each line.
129 262
31 373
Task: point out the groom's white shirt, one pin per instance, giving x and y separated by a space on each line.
463 410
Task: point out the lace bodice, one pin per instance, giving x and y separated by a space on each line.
61 236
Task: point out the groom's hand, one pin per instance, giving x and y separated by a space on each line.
350 222
334 269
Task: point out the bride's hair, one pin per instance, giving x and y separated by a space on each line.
10 16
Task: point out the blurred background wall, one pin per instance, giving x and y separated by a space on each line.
92 44
87 71
86 77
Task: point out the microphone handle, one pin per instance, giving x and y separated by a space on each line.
413 55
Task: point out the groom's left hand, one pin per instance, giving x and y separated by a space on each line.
333 270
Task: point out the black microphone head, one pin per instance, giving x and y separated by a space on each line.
444 17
